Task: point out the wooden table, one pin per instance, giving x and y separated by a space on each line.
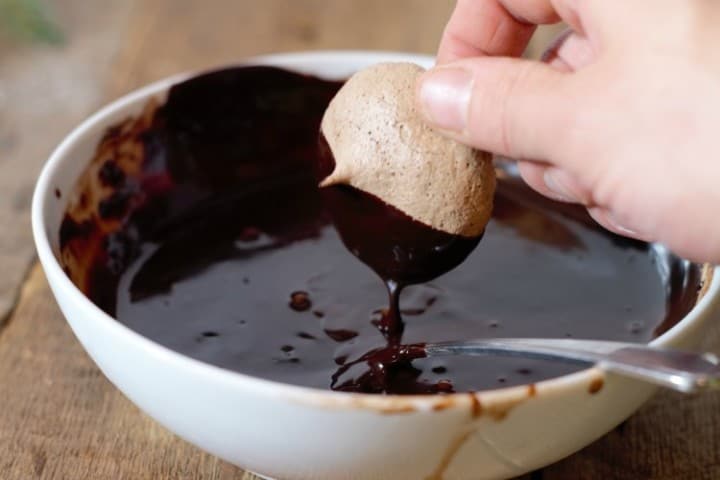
59 417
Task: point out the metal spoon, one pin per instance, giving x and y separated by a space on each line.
679 370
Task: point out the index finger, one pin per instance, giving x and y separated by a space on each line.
493 27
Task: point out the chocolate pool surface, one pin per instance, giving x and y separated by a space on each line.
199 225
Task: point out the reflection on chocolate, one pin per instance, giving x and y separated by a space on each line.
224 250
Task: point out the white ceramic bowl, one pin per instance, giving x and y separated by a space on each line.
291 432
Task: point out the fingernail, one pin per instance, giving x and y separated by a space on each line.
445 97
622 229
557 186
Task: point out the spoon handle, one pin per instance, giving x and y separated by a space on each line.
679 370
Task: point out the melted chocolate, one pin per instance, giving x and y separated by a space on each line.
211 237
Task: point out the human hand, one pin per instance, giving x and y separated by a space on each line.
622 116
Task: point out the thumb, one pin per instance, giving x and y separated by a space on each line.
512 107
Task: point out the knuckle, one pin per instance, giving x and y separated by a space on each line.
509 105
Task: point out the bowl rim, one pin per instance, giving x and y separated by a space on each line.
63 286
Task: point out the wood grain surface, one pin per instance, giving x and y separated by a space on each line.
59 417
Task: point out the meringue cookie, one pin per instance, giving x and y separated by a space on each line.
382 146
